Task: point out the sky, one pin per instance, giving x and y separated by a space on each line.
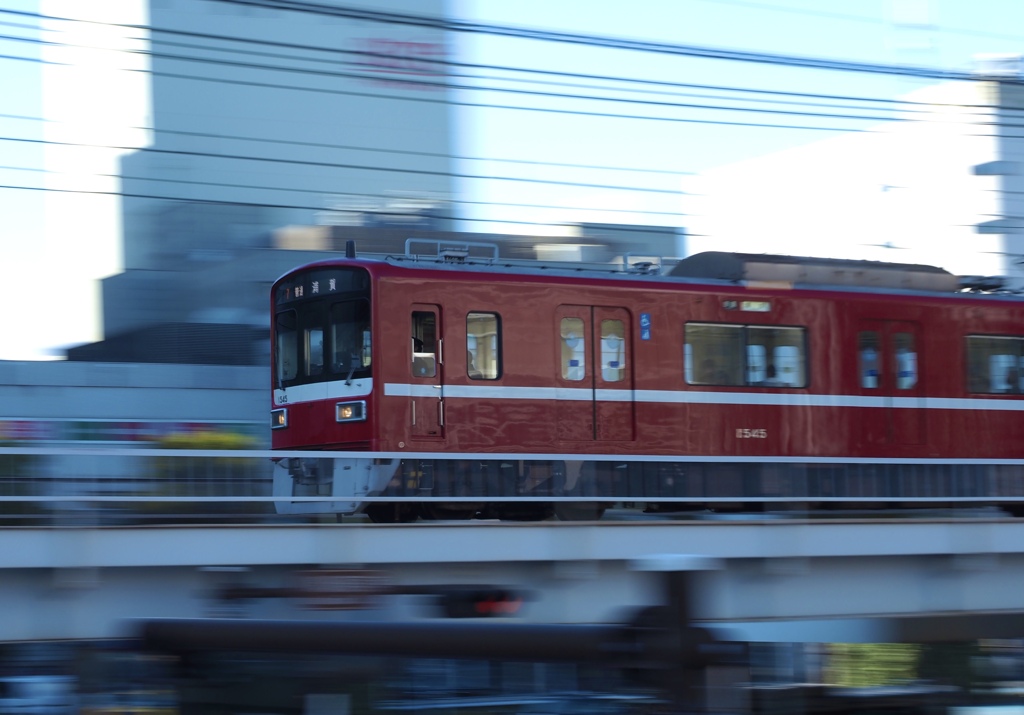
66 242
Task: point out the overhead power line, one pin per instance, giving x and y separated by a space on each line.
463 27
260 204
334 52
373 150
478 105
338 165
616 43
448 86
561 96
331 193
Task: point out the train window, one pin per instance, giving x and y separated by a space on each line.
994 364
714 354
314 351
286 346
574 361
613 350
483 346
424 344
350 336
744 355
870 367
906 361
775 357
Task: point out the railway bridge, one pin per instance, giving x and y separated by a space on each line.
190 553
785 580
92 541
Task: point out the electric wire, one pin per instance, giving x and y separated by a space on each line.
909 106
449 63
442 85
382 150
590 40
337 165
331 193
637 228
474 89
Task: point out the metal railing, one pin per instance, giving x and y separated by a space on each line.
116 485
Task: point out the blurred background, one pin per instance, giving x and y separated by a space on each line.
162 162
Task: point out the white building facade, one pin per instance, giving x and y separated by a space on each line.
941 185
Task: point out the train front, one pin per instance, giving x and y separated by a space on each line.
322 372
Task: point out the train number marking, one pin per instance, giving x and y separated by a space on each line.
745 433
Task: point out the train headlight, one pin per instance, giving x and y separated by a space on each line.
350 411
279 418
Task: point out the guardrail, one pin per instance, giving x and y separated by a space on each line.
142 484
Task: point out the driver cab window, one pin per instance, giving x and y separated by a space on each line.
314 351
287 346
350 336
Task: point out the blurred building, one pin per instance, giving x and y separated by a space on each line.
942 184
68 404
265 118
277 136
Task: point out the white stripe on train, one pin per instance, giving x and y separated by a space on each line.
496 392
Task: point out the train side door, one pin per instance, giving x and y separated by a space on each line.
887 365
594 393
427 370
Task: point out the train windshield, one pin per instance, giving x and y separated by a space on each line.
322 327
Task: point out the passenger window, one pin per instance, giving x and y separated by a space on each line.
906 361
868 347
424 344
574 363
994 364
775 357
738 355
613 351
483 346
715 354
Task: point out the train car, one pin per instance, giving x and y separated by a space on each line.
755 370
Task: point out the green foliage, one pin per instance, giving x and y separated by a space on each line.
859 665
206 439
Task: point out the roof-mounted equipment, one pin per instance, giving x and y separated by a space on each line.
785 271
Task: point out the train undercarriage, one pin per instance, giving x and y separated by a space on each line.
406 490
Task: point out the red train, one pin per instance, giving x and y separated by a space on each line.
762 373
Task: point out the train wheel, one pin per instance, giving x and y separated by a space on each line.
392 513
525 512
449 511
579 511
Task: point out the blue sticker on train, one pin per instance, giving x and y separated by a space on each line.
645 326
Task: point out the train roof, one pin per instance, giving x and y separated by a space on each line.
768 268
753 270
